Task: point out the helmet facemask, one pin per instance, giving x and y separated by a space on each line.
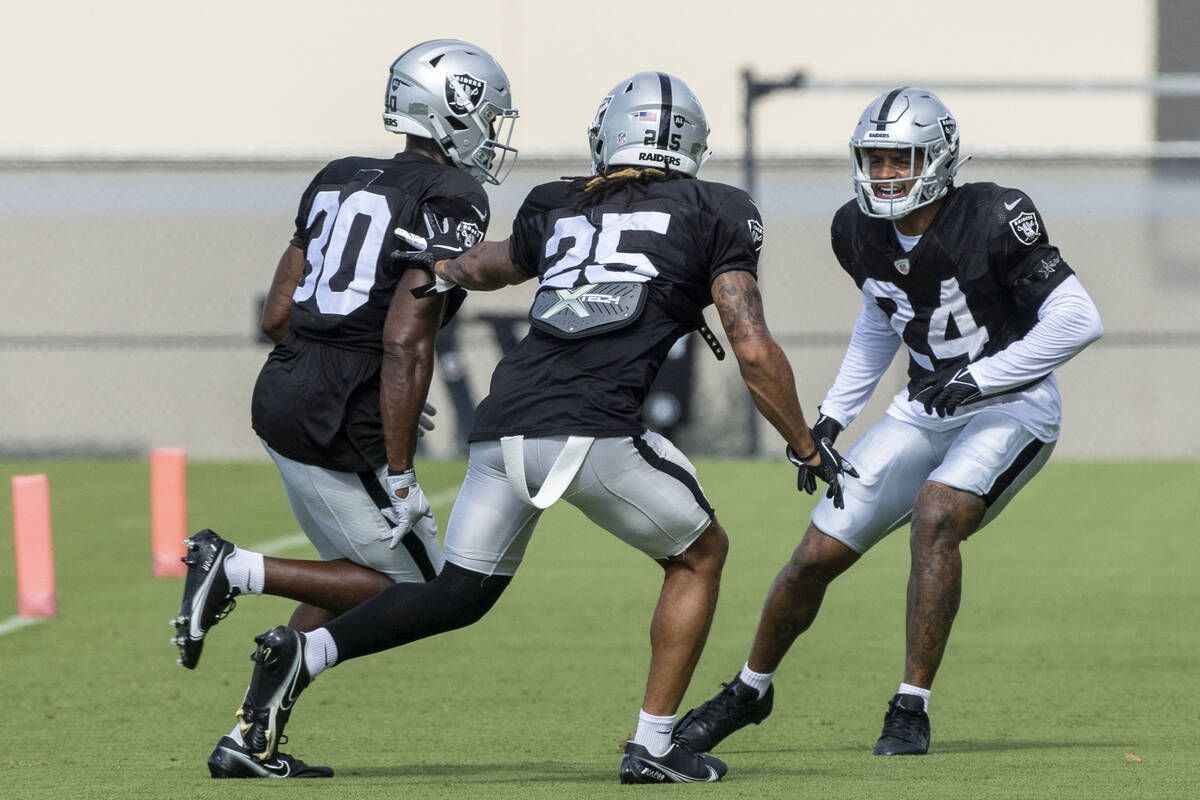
930 180
478 143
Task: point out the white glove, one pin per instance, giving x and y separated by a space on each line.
411 512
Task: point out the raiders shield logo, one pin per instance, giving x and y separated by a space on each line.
469 234
949 127
1025 227
463 92
902 266
756 233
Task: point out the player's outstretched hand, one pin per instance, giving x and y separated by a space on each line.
422 252
410 512
944 391
832 469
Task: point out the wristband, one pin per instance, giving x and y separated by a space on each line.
794 457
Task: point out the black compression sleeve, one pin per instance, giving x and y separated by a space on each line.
406 612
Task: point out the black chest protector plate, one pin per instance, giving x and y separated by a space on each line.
587 310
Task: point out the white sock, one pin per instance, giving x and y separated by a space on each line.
320 651
236 735
907 688
654 733
759 680
245 572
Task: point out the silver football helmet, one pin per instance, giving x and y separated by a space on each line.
651 119
457 95
910 119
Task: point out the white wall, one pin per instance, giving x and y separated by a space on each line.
277 77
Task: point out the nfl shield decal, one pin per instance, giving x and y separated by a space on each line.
463 92
1025 227
902 266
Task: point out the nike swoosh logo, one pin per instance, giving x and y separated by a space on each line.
1012 205
291 694
276 767
447 247
279 769
289 699
483 215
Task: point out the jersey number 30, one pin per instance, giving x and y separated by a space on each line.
352 234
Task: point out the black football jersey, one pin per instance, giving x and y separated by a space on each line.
971 286
317 398
345 228
678 235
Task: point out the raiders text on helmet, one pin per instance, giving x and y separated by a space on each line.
457 95
652 120
905 119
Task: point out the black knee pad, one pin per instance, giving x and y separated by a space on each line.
468 595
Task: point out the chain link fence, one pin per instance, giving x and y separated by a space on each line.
128 318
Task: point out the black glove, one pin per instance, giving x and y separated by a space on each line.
425 423
833 470
944 391
422 252
826 428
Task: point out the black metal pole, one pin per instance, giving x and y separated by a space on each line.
749 180
754 89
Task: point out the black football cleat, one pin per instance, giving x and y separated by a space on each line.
231 760
207 597
735 706
905 728
680 764
278 679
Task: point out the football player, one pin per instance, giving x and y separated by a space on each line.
338 402
625 261
967 279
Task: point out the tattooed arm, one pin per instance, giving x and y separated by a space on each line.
484 267
765 368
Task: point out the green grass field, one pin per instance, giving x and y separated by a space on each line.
1074 669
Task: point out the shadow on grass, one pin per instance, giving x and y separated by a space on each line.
534 772
936 748
508 772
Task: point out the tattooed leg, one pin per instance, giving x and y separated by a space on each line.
795 596
942 519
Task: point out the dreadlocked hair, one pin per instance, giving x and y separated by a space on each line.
589 191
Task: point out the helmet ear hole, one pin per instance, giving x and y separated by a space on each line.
455 123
